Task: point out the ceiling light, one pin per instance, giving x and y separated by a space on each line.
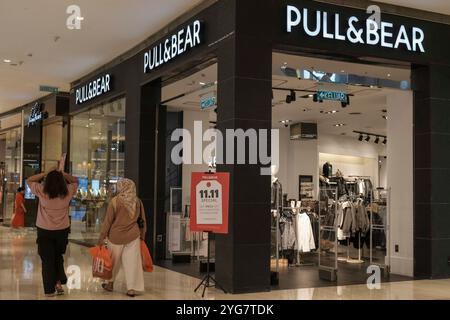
310 95
7 61
339 124
377 140
361 137
342 71
90 119
329 112
385 141
285 122
201 83
385 117
368 138
388 74
80 18
87 126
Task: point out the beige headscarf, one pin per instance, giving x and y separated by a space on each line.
126 194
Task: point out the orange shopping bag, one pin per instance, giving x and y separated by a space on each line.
147 262
101 263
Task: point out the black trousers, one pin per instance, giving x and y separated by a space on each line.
51 247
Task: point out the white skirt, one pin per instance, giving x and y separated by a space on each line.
129 257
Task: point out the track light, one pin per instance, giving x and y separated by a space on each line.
385 141
377 140
368 138
361 137
291 97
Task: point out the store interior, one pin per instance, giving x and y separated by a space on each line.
97 160
342 188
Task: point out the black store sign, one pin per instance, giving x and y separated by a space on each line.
348 31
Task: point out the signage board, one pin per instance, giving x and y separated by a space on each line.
209 202
93 89
173 46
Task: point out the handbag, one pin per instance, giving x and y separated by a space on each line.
147 261
140 221
101 263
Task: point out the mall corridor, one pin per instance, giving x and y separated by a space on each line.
20 278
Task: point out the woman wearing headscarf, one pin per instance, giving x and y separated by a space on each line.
123 228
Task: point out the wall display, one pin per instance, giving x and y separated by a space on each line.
306 188
173 46
209 202
330 25
93 89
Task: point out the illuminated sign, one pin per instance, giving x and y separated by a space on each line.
36 114
332 96
177 44
326 25
93 89
208 102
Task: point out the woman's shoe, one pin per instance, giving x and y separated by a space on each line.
108 286
131 293
50 295
59 289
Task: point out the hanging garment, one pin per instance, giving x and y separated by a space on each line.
287 233
315 227
349 220
276 198
362 219
360 187
305 237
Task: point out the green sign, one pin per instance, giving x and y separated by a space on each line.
48 89
332 95
208 102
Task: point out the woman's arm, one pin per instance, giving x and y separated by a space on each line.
106 225
70 178
37 177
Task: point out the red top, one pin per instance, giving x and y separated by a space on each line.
20 199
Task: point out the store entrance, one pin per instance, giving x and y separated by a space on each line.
341 189
190 106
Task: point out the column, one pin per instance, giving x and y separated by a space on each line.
244 100
431 171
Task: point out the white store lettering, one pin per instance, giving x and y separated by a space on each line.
384 34
173 46
93 89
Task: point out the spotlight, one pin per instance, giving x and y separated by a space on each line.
368 138
315 99
344 104
288 99
377 140
291 97
361 137
385 141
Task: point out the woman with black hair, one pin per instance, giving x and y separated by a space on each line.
53 224
18 220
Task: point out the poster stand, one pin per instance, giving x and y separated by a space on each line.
208 281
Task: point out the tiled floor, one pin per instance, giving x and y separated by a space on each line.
20 278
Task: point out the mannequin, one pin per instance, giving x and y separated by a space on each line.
276 199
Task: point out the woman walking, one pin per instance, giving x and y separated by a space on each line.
53 225
18 220
123 228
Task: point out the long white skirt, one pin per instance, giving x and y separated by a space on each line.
129 257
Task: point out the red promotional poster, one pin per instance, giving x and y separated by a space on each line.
209 202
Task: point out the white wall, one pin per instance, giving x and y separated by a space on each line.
302 158
188 123
400 180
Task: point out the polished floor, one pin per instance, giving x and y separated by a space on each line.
20 278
